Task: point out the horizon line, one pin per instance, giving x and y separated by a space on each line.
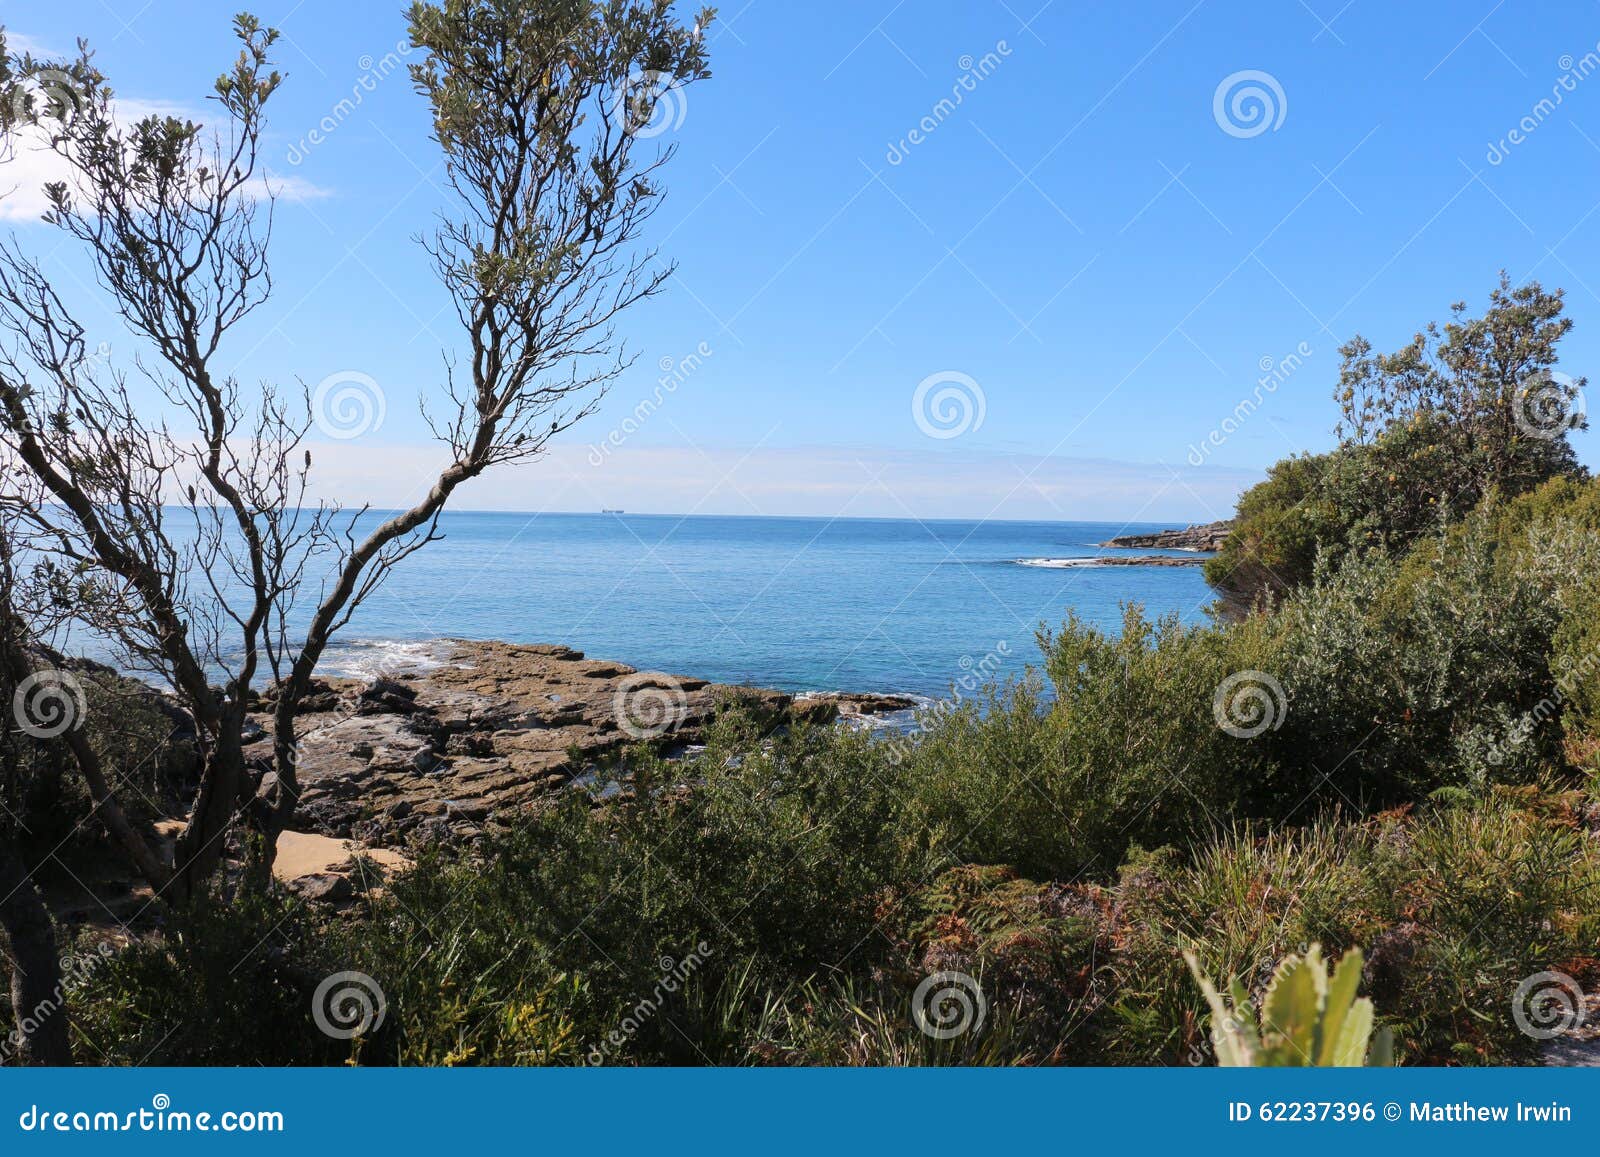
378 510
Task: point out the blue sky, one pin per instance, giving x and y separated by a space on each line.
1080 242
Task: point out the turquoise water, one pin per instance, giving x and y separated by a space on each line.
793 603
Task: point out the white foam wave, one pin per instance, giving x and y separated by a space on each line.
1060 563
372 658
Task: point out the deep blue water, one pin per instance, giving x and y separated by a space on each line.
793 603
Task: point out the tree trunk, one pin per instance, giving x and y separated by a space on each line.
199 848
38 997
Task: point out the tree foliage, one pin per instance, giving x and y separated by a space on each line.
1426 433
182 529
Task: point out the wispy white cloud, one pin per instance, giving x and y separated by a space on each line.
20 43
814 481
33 165
291 190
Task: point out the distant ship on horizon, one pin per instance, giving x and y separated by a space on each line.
604 511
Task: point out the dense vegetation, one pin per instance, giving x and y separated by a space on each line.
1426 433
1398 756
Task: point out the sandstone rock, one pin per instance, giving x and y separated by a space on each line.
497 727
324 887
1206 537
859 703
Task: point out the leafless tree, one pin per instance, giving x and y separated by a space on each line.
184 533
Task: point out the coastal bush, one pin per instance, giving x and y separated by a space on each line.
1281 526
1456 904
1379 683
1405 680
1484 897
228 984
1240 905
753 862
464 981
1455 909
1428 432
859 1021
1125 749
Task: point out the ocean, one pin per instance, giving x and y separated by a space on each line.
799 604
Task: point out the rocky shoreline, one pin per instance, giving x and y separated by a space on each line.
440 752
1200 537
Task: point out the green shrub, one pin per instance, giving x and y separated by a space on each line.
229 984
1240 906
1126 748
765 861
1484 896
